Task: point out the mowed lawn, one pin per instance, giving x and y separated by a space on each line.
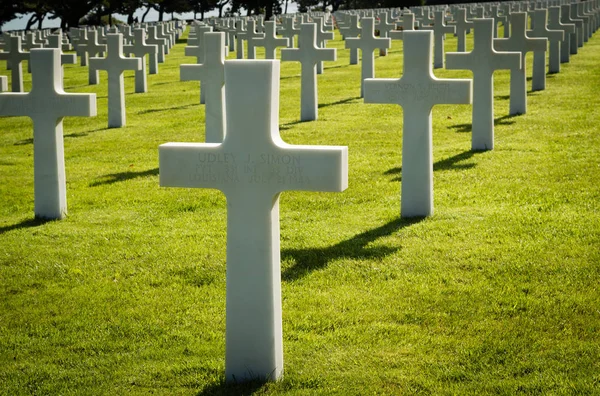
496 293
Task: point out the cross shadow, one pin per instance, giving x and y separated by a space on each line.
461 128
167 109
287 77
289 125
123 176
450 163
25 142
502 97
232 388
35 222
336 67
506 119
347 100
313 259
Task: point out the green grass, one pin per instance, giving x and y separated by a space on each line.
497 293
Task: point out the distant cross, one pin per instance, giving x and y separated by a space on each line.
367 43
47 104
554 23
426 19
483 61
115 64
289 30
580 26
161 32
439 33
15 56
240 32
211 76
80 44
385 26
161 43
417 91
270 41
353 30
55 41
197 50
308 54
519 41
140 49
322 37
252 167
407 24
506 11
462 27
250 35
91 49
540 29
495 14
565 17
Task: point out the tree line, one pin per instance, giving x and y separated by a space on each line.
72 13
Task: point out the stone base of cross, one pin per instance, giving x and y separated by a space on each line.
252 167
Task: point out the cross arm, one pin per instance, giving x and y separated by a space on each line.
314 168
187 165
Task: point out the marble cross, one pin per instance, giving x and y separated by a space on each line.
140 49
408 24
385 26
115 64
462 26
289 30
250 35
211 76
417 91
308 54
197 50
47 104
15 56
352 30
519 41
483 61
367 43
555 23
252 167
439 33
270 41
161 43
540 29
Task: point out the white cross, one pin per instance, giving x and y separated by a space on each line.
289 30
408 24
211 76
540 29
308 54
385 26
555 23
197 50
270 40
367 43
352 30
252 167
47 104
115 64
15 56
417 91
483 61
250 35
519 41
462 26
140 49
162 43
439 33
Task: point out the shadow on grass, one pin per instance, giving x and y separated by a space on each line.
312 259
35 222
343 101
506 119
167 109
25 142
289 125
335 67
123 176
462 127
450 163
232 388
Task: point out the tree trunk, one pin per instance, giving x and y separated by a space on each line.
145 13
40 21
